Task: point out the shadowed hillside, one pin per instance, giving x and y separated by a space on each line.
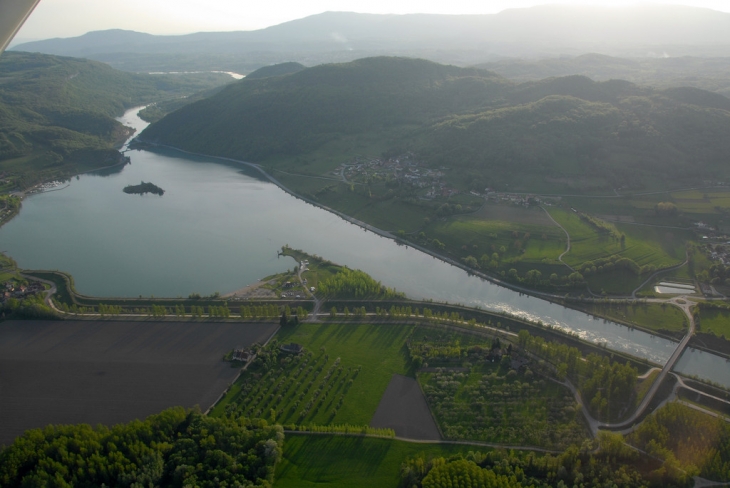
614 133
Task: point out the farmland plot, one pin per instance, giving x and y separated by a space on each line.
112 372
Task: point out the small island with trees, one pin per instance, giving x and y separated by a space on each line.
143 188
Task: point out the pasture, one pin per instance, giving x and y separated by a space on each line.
645 246
112 372
517 235
654 317
331 460
715 322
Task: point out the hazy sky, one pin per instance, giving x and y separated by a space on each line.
68 18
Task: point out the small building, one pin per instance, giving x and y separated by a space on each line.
292 348
241 354
518 363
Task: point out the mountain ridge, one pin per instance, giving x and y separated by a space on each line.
569 29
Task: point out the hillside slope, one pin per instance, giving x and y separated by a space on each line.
586 134
57 113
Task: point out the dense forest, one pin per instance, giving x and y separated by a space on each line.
570 130
686 440
175 448
57 114
612 464
355 284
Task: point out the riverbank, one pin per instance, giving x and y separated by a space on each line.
550 297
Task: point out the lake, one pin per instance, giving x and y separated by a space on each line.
219 226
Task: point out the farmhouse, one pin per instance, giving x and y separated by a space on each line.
241 354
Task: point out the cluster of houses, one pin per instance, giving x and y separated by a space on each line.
719 253
12 289
404 168
49 185
520 199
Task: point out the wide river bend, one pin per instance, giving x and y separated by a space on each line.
218 228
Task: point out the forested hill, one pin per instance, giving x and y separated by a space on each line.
57 114
496 132
287 115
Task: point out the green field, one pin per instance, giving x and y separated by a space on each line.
652 316
377 349
323 460
487 236
716 322
646 246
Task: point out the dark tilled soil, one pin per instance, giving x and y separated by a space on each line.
112 372
403 408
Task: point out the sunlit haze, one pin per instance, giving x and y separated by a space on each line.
67 18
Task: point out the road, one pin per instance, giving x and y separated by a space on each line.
567 237
685 305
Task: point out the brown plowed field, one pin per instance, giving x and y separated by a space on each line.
111 372
403 408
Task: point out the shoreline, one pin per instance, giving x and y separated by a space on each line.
550 297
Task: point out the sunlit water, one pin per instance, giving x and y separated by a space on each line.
218 227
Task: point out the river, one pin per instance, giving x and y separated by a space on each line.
218 228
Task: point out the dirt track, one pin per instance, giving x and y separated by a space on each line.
111 372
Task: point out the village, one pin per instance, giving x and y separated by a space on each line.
408 170
12 289
404 168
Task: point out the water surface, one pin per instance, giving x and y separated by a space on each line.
219 226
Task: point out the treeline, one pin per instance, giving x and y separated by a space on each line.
343 429
603 227
612 464
613 263
349 283
31 307
716 274
176 448
245 312
607 387
687 440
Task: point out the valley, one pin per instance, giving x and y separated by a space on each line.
386 271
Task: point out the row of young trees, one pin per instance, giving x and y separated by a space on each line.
266 311
343 429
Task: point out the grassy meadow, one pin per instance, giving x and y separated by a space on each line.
325 460
715 322
656 317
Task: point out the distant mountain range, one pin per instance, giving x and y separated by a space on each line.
544 31
708 73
